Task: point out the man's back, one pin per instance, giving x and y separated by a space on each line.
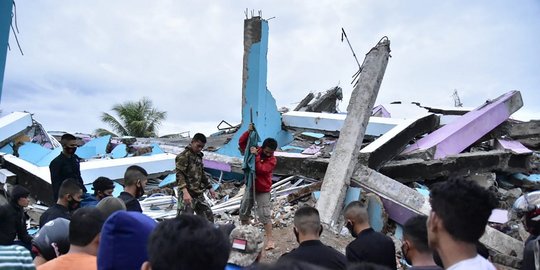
374 247
55 211
15 258
315 252
477 263
132 204
71 261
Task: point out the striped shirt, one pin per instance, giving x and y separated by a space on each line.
15 257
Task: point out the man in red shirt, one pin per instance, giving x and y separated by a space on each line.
265 162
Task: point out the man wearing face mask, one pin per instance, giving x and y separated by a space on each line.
369 245
135 179
103 187
307 229
415 248
70 196
66 165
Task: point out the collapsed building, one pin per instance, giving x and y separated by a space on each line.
386 155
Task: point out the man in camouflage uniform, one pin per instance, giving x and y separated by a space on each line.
191 180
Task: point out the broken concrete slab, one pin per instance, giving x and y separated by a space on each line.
347 149
406 201
513 146
13 124
390 144
485 180
322 101
410 170
455 137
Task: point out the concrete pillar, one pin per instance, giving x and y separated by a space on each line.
256 99
5 22
345 155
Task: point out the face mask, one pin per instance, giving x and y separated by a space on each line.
70 150
296 235
405 258
140 191
350 227
73 204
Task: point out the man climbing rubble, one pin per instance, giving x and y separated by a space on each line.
191 180
258 162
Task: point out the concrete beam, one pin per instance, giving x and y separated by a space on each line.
389 145
415 169
333 122
455 137
347 149
407 202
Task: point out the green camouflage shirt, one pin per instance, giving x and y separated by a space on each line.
190 173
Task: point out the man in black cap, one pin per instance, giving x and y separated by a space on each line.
13 218
103 187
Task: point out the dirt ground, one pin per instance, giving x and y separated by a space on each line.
285 242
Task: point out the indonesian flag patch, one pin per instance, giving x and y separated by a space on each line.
239 244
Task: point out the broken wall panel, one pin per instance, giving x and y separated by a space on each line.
455 137
390 144
513 146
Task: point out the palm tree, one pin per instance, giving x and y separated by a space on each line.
138 119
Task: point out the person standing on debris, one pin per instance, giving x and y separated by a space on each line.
103 187
247 244
308 229
66 165
459 214
415 248
369 245
84 238
135 179
265 162
191 180
13 219
69 200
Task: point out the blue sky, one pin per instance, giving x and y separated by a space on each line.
82 57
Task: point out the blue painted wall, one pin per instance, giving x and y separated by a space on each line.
266 117
5 22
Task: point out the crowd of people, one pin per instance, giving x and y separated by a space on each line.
98 231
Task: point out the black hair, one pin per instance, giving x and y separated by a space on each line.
356 211
307 221
69 186
201 245
102 183
67 137
270 143
199 137
85 224
464 208
133 174
415 230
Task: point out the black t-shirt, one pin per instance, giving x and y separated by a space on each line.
317 253
132 204
55 211
62 168
374 247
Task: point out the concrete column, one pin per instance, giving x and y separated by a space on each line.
5 22
345 156
255 96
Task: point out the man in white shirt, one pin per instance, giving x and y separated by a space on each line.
459 214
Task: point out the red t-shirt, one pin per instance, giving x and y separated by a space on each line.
263 166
